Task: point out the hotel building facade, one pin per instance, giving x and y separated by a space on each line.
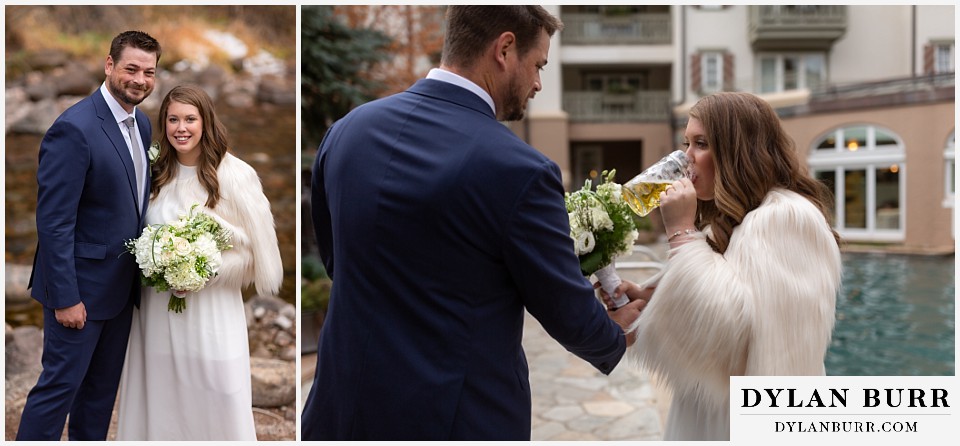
866 93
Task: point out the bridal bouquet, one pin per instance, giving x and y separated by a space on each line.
602 229
181 255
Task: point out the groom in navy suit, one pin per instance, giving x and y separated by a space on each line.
439 228
93 186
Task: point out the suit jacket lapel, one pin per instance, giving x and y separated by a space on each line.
112 130
145 146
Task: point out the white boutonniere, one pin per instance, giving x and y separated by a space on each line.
153 152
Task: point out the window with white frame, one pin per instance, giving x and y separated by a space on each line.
943 57
783 72
711 65
864 166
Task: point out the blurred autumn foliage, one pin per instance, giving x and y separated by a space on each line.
83 31
416 39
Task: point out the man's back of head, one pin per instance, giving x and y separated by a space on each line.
470 28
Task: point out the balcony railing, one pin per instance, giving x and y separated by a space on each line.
601 29
800 26
589 106
904 91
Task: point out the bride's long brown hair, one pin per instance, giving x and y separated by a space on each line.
213 143
752 154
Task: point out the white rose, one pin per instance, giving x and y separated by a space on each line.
585 243
181 246
166 257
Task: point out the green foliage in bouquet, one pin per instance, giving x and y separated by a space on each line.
601 223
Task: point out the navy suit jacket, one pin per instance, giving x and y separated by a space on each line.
439 227
86 210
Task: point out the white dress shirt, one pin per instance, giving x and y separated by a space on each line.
458 80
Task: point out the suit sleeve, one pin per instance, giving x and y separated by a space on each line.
540 255
320 208
61 174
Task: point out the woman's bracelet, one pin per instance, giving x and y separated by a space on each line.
679 233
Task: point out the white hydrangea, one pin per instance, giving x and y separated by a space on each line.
610 192
184 276
144 252
599 219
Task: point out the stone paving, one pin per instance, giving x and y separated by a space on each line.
574 401
571 399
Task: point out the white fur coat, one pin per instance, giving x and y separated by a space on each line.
245 211
765 307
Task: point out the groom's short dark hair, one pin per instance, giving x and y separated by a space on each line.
133 39
471 28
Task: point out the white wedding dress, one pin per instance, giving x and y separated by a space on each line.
187 375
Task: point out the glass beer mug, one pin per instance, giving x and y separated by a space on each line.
642 193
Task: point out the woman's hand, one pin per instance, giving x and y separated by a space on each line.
678 206
632 290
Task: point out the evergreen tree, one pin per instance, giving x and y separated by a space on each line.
335 63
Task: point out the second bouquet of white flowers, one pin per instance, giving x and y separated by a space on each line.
602 229
181 255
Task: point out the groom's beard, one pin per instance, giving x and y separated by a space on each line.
123 95
516 103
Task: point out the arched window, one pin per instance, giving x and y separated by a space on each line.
864 166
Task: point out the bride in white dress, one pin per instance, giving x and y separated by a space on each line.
753 272
187 375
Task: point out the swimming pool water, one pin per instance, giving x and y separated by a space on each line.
895 316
